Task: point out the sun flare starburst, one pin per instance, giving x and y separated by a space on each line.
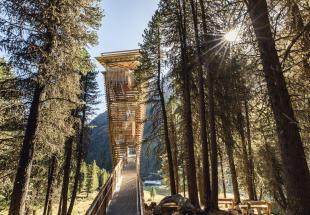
232 35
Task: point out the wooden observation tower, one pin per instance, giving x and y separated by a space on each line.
125 113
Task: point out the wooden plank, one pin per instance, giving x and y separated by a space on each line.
121 98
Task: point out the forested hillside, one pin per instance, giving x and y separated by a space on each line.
98 147
151 150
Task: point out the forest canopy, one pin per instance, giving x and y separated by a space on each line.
227 90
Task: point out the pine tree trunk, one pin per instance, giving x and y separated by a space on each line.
223 175
174 148
296 172
200 182
275 174
214 159
251 162
229 142
20 189
50 204
202 113
165 120
80 148
184 178
187 111
50 181
77 170
246 162
60 205
66 176
208 41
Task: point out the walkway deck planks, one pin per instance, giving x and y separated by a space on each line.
124 200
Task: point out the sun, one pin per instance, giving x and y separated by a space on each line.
232 35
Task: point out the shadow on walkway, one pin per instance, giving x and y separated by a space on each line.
124 201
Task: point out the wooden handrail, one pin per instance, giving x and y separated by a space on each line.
101 202
140 196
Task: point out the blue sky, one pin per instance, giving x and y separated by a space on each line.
122 29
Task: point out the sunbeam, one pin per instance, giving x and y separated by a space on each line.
232 35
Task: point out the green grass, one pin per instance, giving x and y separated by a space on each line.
161 192
82 203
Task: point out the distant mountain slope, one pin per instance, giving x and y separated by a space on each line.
150 163
98 148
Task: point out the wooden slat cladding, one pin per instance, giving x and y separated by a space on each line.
126 113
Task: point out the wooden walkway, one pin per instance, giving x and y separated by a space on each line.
124 200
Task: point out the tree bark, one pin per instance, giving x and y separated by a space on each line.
200 182
246 163
79 147
165 119
229 143
274 172
208 41
174 148
202 113
50 204
80 144
222 172
60 205
296 171
22 178
184 178
187 111
214 158
50 181
66 176
251 162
